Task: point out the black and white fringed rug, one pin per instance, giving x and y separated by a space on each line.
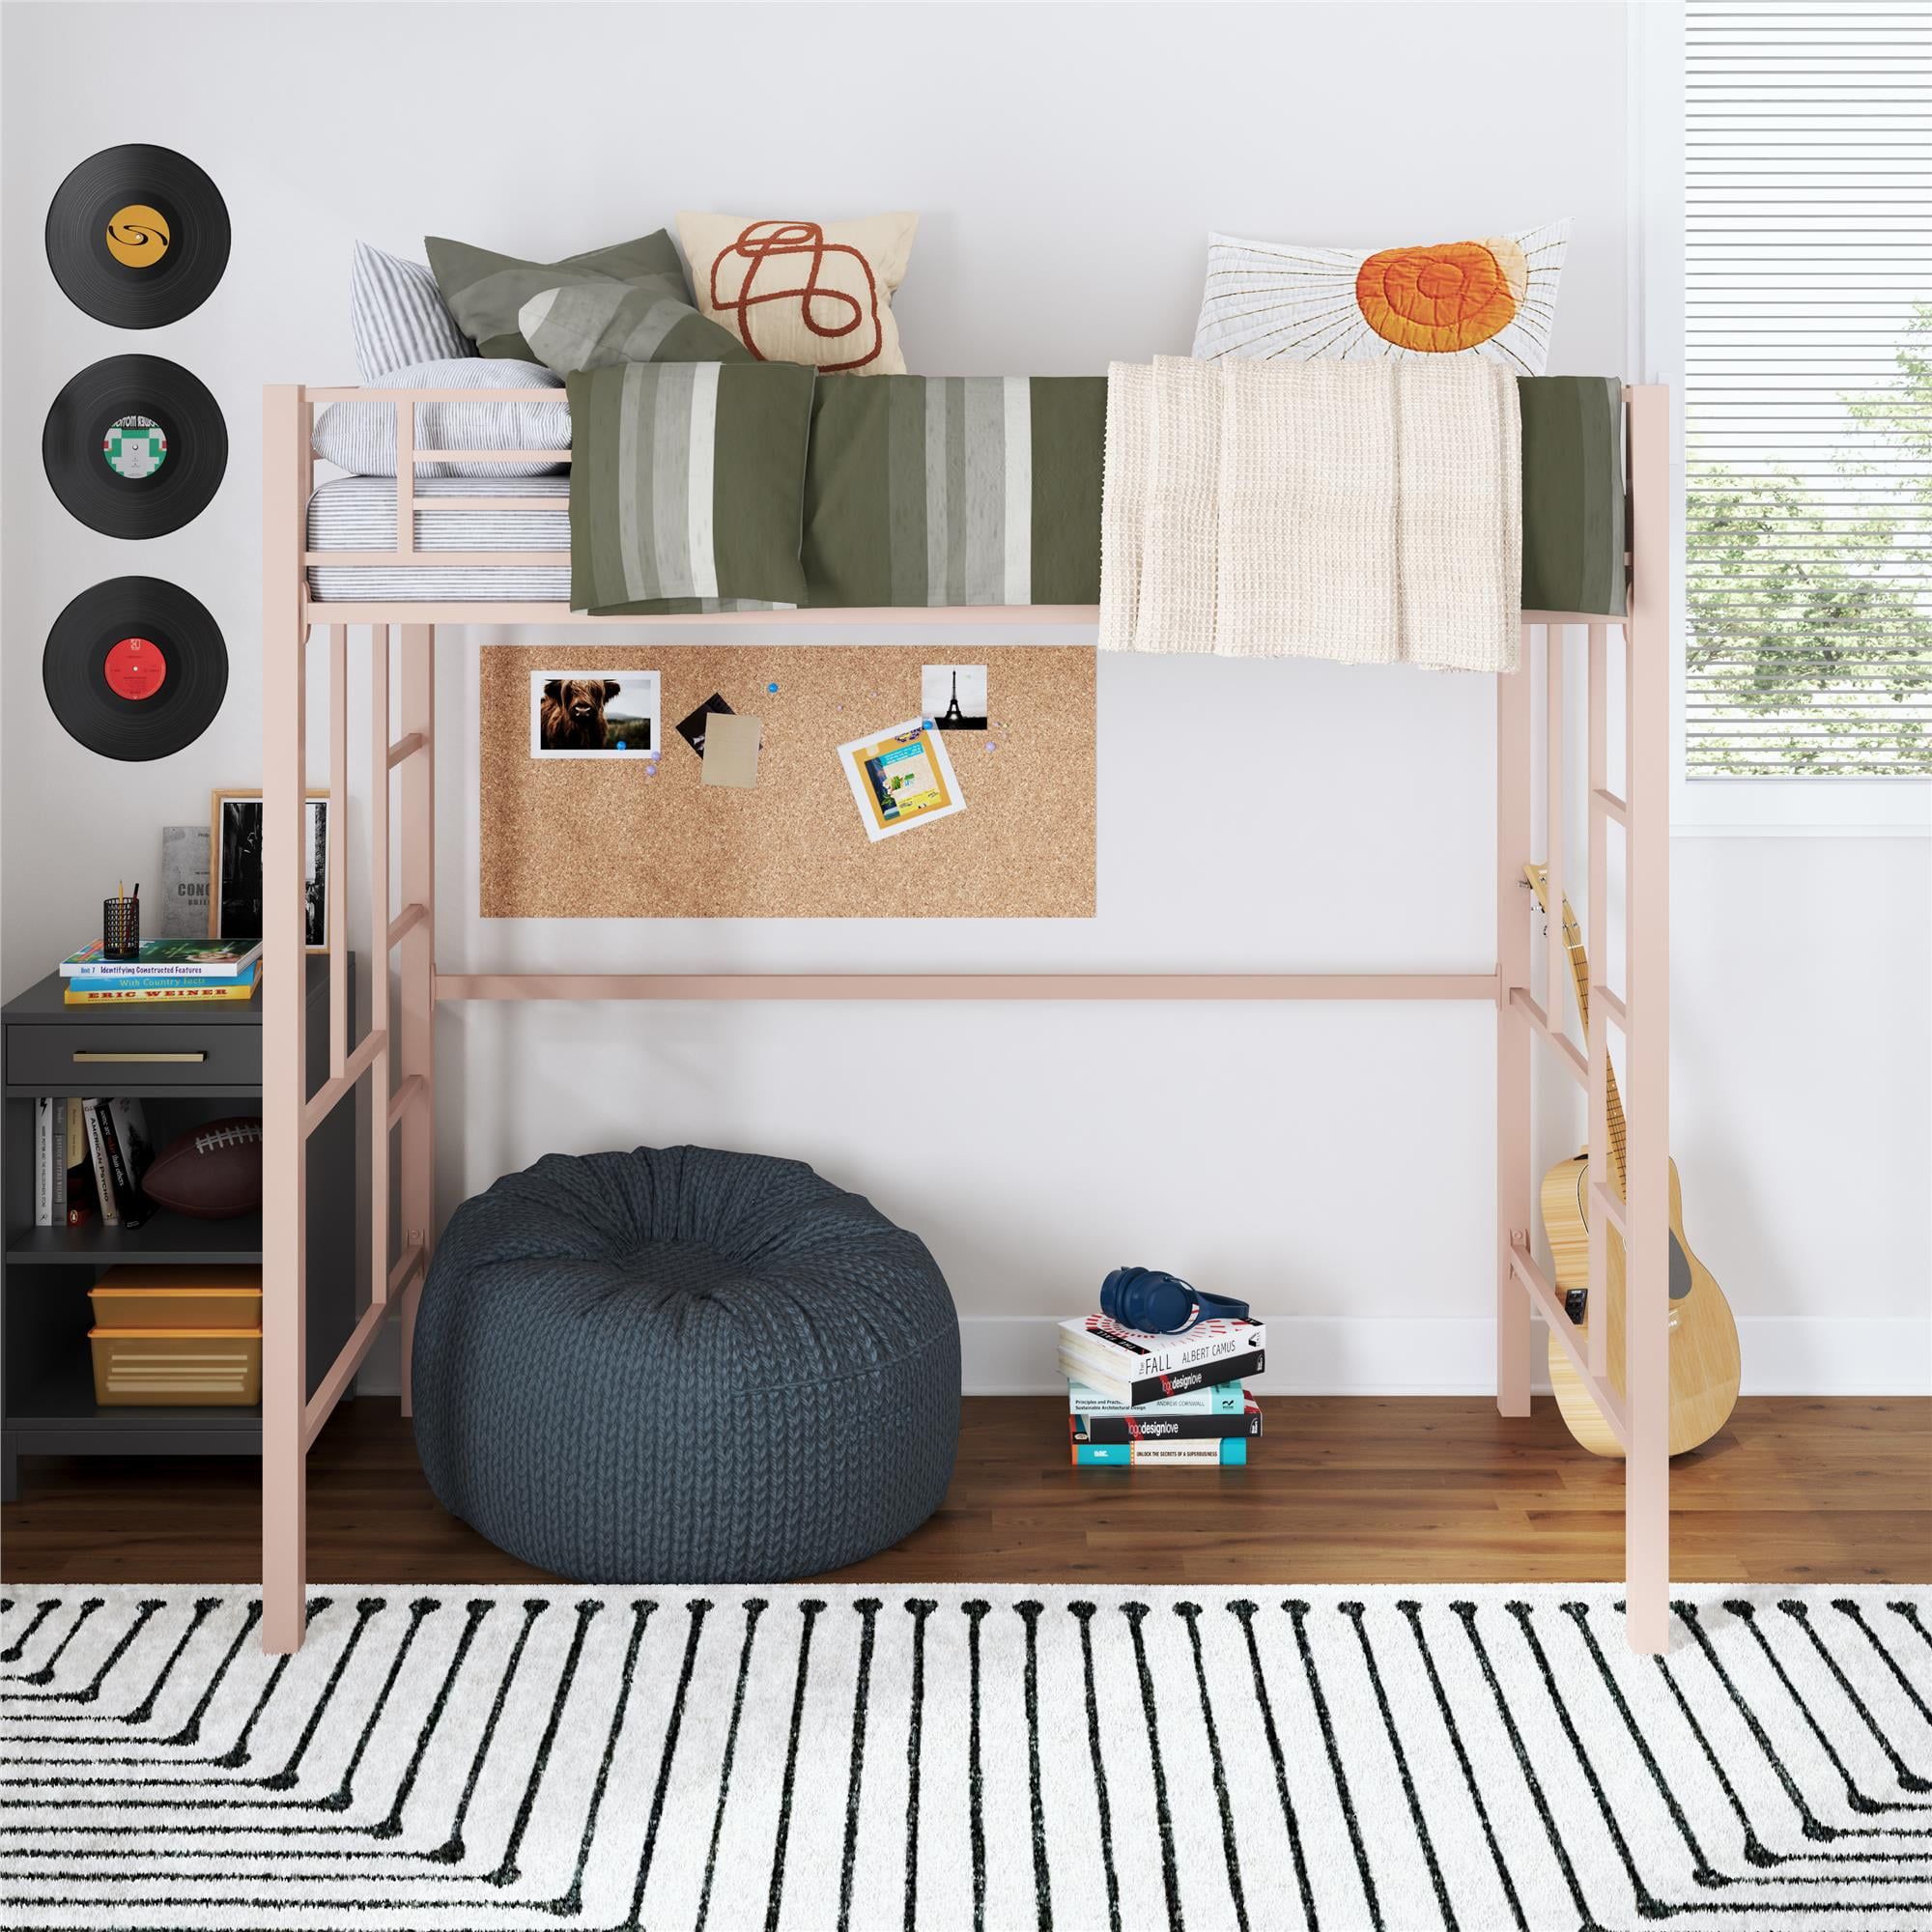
1010 1758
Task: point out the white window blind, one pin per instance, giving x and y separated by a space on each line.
1807 393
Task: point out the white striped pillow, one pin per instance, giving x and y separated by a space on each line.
360 437
397 316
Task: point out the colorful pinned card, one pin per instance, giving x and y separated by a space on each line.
900 778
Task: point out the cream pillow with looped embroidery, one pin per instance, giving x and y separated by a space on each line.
813 292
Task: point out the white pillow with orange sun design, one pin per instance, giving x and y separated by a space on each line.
1493 298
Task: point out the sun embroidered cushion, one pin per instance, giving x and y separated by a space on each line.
488 292
1494 298
812 292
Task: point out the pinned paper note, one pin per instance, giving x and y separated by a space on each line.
731 744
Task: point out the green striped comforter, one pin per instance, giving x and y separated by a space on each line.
965 490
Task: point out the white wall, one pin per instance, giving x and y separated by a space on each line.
1332 1163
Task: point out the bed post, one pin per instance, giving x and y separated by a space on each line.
1513 1322
1647 1044
416 977
284 986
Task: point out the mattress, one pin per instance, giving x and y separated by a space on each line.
358 513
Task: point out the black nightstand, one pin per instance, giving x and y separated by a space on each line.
46 1377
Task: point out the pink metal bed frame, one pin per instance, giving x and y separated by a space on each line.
397 1052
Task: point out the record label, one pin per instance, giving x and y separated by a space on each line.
134 446
135 667
138 235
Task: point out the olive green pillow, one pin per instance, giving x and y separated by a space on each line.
484 291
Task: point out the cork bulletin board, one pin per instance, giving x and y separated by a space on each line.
639 833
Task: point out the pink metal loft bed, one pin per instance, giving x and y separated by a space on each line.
397 1052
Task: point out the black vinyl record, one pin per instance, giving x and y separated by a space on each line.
138 235
135 446
135 667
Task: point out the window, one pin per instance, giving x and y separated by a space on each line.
1807 390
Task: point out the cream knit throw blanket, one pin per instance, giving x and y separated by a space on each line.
1365 511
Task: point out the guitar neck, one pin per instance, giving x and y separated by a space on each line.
1580 977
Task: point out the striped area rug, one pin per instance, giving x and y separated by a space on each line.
1021 1759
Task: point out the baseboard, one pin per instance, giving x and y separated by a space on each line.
1313 1354
1450 1355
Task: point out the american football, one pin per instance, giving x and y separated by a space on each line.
213 1172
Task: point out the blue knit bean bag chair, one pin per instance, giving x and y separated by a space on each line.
683 1366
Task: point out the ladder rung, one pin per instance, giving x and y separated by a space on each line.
406 1093
1543 1297
407 1264
406 921
1539 1024
323 1100
1610 1208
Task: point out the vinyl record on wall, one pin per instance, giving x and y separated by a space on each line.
134 446
135 667
138 235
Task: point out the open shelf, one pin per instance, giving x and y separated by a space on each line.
58 1415
163 1238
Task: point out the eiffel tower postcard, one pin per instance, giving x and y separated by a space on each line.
953 697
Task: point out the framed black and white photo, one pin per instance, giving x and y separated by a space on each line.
953 697
235 866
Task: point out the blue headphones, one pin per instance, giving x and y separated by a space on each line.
1160 1303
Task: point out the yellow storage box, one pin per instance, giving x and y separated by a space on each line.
177 1296
173 1367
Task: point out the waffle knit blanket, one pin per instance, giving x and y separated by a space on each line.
1370 512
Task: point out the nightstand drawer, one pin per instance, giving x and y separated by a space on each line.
110 1059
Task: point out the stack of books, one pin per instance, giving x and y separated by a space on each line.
89 1157
1137 1398
169 972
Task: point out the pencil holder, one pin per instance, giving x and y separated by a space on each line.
120 928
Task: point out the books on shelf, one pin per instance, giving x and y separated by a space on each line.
63 1163
75 1202
44 1108
114 1149
1133 1367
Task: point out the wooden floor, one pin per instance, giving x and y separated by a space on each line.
1340 1490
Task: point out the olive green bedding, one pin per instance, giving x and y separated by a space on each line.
943 491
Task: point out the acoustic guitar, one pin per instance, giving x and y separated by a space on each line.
1703 1336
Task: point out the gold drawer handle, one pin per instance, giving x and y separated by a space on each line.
81 1059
